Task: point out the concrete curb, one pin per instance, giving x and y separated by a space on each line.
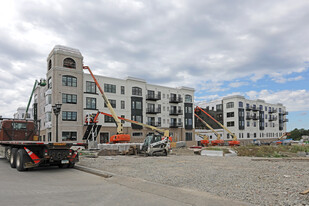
94 171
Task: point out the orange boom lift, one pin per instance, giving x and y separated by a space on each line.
120 136
233 142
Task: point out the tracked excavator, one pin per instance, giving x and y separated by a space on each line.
154 144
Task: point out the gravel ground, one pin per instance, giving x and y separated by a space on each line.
240 178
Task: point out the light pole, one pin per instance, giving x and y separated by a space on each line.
57 109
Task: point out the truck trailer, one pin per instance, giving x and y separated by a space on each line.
24 150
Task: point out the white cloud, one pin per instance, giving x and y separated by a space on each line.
294 100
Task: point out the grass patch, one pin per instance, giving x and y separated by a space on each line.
270 151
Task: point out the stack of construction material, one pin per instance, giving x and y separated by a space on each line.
121 148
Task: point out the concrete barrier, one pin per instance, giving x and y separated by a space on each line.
212 153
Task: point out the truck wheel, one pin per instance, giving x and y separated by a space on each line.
8 153
13 157
21 159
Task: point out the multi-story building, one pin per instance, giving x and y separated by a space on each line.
132 98
247 119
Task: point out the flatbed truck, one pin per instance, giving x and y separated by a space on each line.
24 151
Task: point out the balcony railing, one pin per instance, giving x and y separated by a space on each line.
285 113
153 97
272 118
153 110
175 124
176 112
286 120
248 108
255 108
152 123
272 111
255 117
248 117
176 100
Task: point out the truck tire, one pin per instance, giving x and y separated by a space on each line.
13 157
21 159
8 153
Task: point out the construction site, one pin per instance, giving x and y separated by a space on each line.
234 148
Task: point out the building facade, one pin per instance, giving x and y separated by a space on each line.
131 98
248 119
21 112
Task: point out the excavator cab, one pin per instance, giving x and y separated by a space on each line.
153 145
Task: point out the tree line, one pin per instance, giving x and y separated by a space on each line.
296 134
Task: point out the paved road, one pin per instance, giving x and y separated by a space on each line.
54 186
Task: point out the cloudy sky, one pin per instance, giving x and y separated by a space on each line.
259 49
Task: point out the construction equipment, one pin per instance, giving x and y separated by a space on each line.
218 141
233 142
205 140
153 143
120 136
41 83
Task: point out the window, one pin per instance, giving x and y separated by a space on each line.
137 118
91 103
122 121
230 105
48 99
219 107
49 83
230 124
48 117
69 81
136 91
254 124
18 126
261 107
265 108
230 114
49 64
69 98
122 90
248 124
188 136
241 104
248 135
69 63
137 134
254 134
188 98
49 136
108 119
69 136
69 116
112 102
110 88
122 106
91 87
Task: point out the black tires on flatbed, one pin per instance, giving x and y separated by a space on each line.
13 157
21 158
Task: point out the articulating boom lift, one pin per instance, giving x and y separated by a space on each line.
218 141
120 136
233 142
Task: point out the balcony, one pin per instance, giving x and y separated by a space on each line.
248 117
271 118
255 109
153 97
152 123
176 112
248 108
176 100
285 113
255 117
153 110
286 120
175 124
272 111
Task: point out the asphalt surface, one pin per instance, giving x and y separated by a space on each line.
54 186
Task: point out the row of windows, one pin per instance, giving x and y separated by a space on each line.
254 135
254 124
254 107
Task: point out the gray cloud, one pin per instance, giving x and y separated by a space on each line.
180 42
